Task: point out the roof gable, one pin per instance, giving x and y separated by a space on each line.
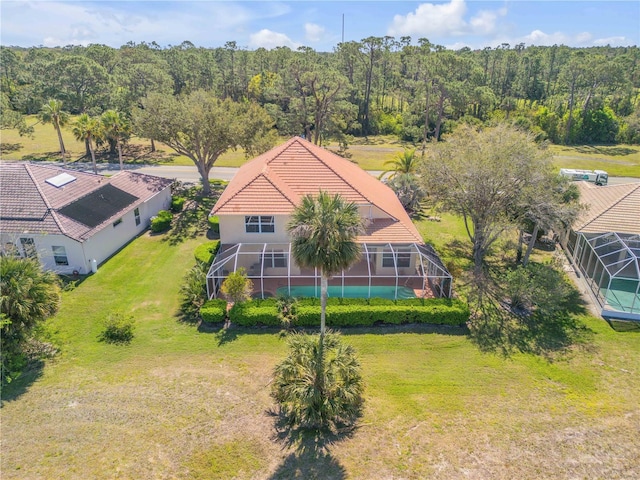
275 181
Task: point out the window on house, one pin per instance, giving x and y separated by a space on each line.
60 255
136 214
10 250
29 248
403 259
275 259
117 222
259 224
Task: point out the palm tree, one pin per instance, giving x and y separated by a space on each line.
318 385
323 232
52 112
404 163
88 130
29 296
117 128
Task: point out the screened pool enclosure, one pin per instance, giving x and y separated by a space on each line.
610 265
384 270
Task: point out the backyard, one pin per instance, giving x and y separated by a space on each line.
183 401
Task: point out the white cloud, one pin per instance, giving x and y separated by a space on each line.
613 41
268 39
446 20
313 32
431 19
55 23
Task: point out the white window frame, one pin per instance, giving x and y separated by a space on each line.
400 258
259 224
28 245
275 259
60 255
136 214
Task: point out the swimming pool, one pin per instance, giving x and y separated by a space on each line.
351 291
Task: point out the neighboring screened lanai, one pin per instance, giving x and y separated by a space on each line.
384 270
611 267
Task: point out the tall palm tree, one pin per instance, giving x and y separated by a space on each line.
52 112
117 128
404 163
88 129
323 232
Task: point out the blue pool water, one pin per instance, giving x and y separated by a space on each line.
350 292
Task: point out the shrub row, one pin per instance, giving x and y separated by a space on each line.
355 312
214 311
206 252
214 224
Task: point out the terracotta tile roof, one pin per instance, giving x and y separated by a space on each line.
275 182
613 208
29 204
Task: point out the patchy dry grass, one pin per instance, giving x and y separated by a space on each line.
179 403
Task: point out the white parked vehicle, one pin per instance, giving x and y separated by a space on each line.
599 177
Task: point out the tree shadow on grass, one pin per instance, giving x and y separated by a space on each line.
18 387
9 147
311 456
192 221
43 157
616 151
551 328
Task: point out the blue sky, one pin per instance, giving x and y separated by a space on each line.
318 24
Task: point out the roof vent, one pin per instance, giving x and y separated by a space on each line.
60 180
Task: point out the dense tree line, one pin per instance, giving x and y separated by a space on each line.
380 85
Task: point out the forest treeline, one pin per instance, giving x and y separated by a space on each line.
380 85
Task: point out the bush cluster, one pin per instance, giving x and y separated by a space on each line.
177 204
118 328
162 221
206 252
214 224
214 311
355 312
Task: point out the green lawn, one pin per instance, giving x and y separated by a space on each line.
184 402
370 153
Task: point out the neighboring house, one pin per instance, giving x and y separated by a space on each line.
255 207
604 246
73 221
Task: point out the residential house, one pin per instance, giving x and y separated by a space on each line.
73 221
255 207
604 247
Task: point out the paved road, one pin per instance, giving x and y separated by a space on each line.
190 174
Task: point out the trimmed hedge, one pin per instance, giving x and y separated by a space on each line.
206 252
177 204
214 311
162 221
214 224
434 311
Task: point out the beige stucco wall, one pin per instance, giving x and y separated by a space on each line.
232 230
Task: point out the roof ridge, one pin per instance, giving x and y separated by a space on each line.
339 158
632 190
50 209
290 195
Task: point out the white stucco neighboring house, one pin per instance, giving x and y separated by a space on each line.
73 221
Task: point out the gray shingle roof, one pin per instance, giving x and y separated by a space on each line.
28 204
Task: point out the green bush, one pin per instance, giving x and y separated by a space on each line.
206 252
214 224
353 313
214 311
118 328
161 222
177 204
